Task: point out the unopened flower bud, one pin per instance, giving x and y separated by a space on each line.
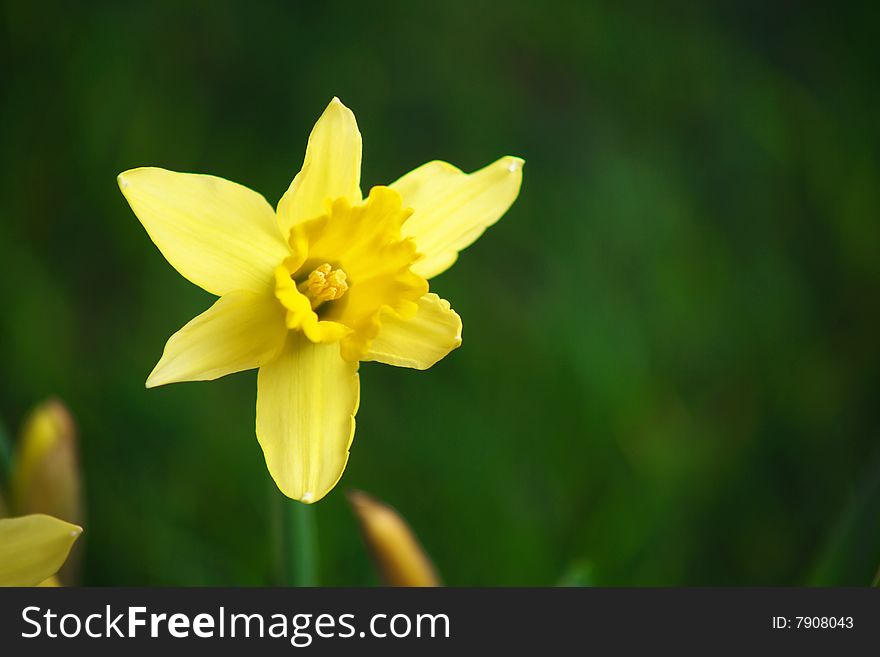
396 551
46 476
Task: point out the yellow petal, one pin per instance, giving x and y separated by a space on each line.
306 402
396 551
241 331
46 477
418 342
452 208
331 168
218 234
33 548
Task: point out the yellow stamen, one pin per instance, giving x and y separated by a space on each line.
324 284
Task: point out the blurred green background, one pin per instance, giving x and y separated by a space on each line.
671 360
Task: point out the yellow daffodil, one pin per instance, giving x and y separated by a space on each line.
310 290
33 548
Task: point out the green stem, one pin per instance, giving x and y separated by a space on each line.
298 543
304 560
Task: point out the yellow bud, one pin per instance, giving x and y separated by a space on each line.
45 476
399 558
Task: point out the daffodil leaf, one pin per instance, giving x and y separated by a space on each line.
852 551
578 574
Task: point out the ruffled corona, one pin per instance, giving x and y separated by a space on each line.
348 268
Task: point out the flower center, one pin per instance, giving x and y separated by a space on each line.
324 284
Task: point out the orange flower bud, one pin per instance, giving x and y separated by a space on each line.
399 558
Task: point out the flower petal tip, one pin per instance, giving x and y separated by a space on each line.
122 181
514 164
336 103
308 497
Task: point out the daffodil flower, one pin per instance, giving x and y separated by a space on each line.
308 291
